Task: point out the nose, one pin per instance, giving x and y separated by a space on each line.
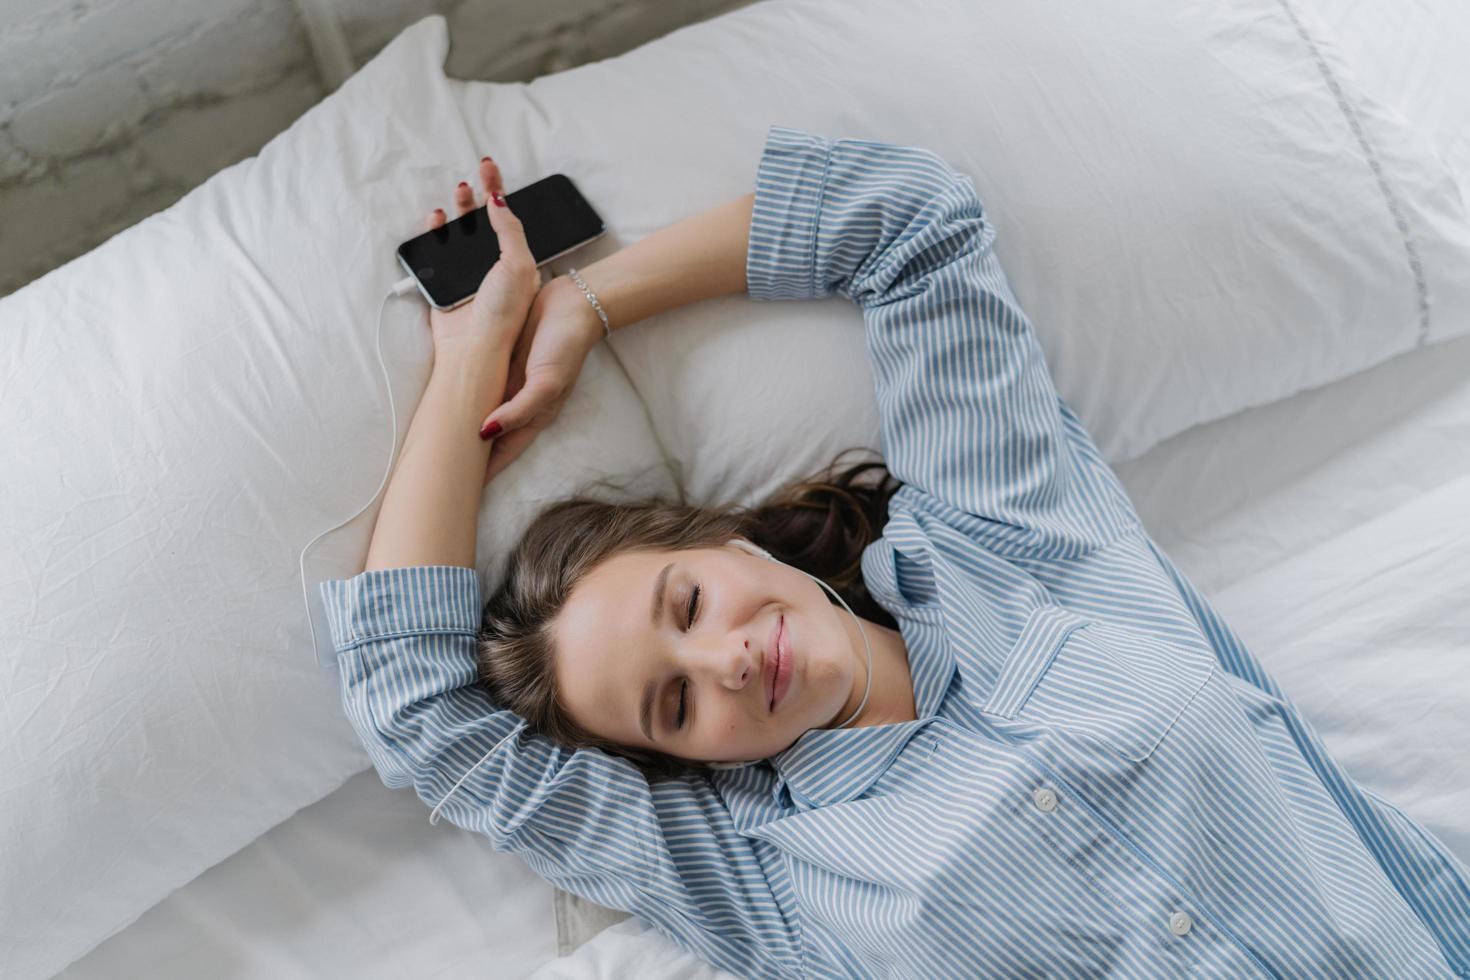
729 660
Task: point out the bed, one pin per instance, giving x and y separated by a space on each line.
1330 529
1312 480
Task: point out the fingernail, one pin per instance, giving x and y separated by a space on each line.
484 159
438 210
490 431
499 201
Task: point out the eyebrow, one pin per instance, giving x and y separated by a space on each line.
645 707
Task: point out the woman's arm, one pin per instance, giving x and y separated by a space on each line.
699 257
969 415
428 514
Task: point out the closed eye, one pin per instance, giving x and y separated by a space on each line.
691 613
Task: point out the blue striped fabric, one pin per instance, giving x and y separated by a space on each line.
1101 778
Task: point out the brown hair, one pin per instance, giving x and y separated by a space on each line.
820 525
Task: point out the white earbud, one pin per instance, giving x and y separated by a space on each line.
760 552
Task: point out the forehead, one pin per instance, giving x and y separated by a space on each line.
604 639
618 593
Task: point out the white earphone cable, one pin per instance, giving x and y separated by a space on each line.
404 285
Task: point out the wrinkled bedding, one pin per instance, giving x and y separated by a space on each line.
1329 529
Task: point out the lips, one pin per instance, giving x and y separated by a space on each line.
772 659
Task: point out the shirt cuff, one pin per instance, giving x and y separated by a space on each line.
781 259
397 601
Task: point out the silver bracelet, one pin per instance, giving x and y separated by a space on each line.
592 297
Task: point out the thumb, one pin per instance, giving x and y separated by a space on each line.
509 232
521 409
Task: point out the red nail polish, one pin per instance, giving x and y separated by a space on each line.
484 159
463 184
499 201
490 431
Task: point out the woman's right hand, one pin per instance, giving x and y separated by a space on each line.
561 329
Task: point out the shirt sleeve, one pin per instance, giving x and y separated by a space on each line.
405 641
971 420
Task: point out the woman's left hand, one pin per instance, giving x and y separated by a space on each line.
492 320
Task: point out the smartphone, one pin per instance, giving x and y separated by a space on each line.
451 261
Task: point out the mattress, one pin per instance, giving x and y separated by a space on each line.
1330 530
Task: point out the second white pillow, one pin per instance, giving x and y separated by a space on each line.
1198 205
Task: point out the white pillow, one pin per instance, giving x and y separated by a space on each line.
1183 202
185 407
1412 57
1182 207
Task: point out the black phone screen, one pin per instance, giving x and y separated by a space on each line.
450 262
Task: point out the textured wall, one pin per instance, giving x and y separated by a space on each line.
111 110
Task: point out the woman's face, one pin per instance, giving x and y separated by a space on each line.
626 628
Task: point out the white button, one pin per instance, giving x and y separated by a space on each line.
1045 799
1179 923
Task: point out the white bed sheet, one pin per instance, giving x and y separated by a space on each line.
1330 529
355 885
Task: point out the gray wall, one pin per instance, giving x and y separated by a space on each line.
111 110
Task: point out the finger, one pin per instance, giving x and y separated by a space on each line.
508 230
507 449
464 199
491 178
516 378
520 411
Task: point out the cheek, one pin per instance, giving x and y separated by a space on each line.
728 725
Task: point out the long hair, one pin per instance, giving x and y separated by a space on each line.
820 525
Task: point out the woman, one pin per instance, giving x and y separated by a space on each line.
1038 751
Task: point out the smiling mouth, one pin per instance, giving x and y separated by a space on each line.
775 663
780 661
